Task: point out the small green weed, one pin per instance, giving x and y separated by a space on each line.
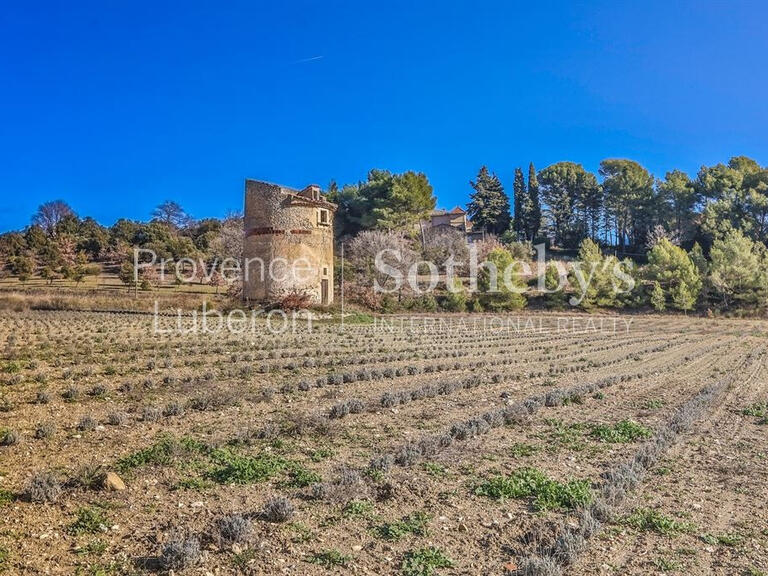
666 564
653 404
321 454
521 449
758 409
425 561
6 497
357 508
302 532
434 469
566 435
621 432
654 521
300 477
244 558
90 520
194 484
415 523
329 558
722 539
97 547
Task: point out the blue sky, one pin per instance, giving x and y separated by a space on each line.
117 106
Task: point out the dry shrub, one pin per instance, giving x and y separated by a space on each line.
42 487
181 551
278 509
233 528
294 300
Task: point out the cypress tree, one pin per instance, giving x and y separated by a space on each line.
534 214
520 203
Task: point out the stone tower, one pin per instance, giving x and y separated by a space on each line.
288 243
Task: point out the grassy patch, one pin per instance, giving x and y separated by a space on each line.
666 564
649 520
758 410
521 449
90 520
220 465
358 318
194 484
163 452
321 454
97 547
415 524
238 469
6 497
565 435
653 404
730 540
244 558
357 508
300 477
5 557
434 469
621 432
547 494
425 562
329 558
302 532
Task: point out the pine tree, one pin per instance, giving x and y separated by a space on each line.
672 268
700 261
534 212
658 299
521 204
683 297
489 205
555 295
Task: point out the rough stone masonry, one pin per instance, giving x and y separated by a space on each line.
288 243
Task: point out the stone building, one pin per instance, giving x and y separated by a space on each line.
288 243
455 219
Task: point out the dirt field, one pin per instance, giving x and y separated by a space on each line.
634 445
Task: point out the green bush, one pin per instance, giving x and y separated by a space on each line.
547 494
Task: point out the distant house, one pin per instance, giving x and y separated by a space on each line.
455 219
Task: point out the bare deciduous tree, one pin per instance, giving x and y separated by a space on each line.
391 248
171 213
441 243
229 242
49 215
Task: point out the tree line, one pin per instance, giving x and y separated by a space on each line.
627 206
703 238
59 244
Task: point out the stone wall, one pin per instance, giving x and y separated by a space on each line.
285 248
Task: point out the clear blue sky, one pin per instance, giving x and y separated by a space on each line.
116 106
